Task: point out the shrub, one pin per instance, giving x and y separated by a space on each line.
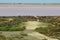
42 30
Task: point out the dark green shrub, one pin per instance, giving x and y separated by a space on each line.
42 30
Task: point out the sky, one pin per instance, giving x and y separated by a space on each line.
29 1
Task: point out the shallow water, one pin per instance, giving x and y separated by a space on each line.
51 11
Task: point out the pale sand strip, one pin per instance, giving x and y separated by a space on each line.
28 6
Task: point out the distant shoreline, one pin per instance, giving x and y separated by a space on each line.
30 3
27 5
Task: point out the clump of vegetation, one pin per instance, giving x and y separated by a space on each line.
42 30
53 29
44 39
20 36
2 37
11 24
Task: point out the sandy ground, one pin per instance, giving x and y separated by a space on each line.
31 25
32 35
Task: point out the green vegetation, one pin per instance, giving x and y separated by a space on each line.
53 29
44 39
16 23
11 24
42 30
13 37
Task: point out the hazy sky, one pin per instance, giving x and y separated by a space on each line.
29 1
30 11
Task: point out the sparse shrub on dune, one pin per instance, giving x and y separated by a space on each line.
2 37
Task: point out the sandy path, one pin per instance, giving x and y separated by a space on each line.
31 25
